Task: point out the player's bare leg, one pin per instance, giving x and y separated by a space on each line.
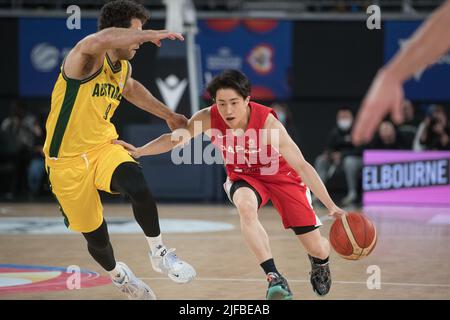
318 249
254 234
257 240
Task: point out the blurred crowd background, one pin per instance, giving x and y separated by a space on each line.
312 61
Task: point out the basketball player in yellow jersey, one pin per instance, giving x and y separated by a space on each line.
80 156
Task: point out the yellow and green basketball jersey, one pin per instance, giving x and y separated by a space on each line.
79 119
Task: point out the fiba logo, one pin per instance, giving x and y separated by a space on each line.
260 58
44 57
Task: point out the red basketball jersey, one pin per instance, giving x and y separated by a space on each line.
245 153
247 158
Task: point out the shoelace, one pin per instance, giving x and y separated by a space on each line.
170 258
320 273
131 288
275 280
128 287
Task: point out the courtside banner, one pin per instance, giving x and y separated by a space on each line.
258 47
43 44
406 177
429 84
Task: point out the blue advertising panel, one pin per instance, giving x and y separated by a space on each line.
43 44
433 83
260 48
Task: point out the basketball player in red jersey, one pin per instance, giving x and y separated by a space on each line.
261 165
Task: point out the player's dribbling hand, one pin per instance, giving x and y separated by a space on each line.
132 150
336 212
177 121
384 96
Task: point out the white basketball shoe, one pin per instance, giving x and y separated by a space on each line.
132 286
166 261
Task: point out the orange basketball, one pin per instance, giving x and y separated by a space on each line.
353 236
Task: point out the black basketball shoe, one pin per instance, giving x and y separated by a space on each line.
320 277
278 287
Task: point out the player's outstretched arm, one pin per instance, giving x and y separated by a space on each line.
116 38
278 137
199 123
385 95
88 54
159 145
138 95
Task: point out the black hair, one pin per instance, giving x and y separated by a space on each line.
230 79
119 14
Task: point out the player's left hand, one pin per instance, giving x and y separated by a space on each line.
177 121
132 150
336 212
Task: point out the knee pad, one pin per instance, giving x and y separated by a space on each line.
99 238
129 179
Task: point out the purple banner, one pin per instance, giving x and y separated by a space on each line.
406 178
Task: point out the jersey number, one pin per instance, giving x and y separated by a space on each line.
107 111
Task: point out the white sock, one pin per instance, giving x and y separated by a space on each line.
155 243
117 273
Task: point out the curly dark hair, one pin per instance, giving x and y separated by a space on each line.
119 13
230 79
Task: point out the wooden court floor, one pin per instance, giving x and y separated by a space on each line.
413 257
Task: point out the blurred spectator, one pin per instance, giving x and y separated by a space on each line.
286 118
434 131
36 169
20 129
388 138
341 153
408 129
411 119
341 6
